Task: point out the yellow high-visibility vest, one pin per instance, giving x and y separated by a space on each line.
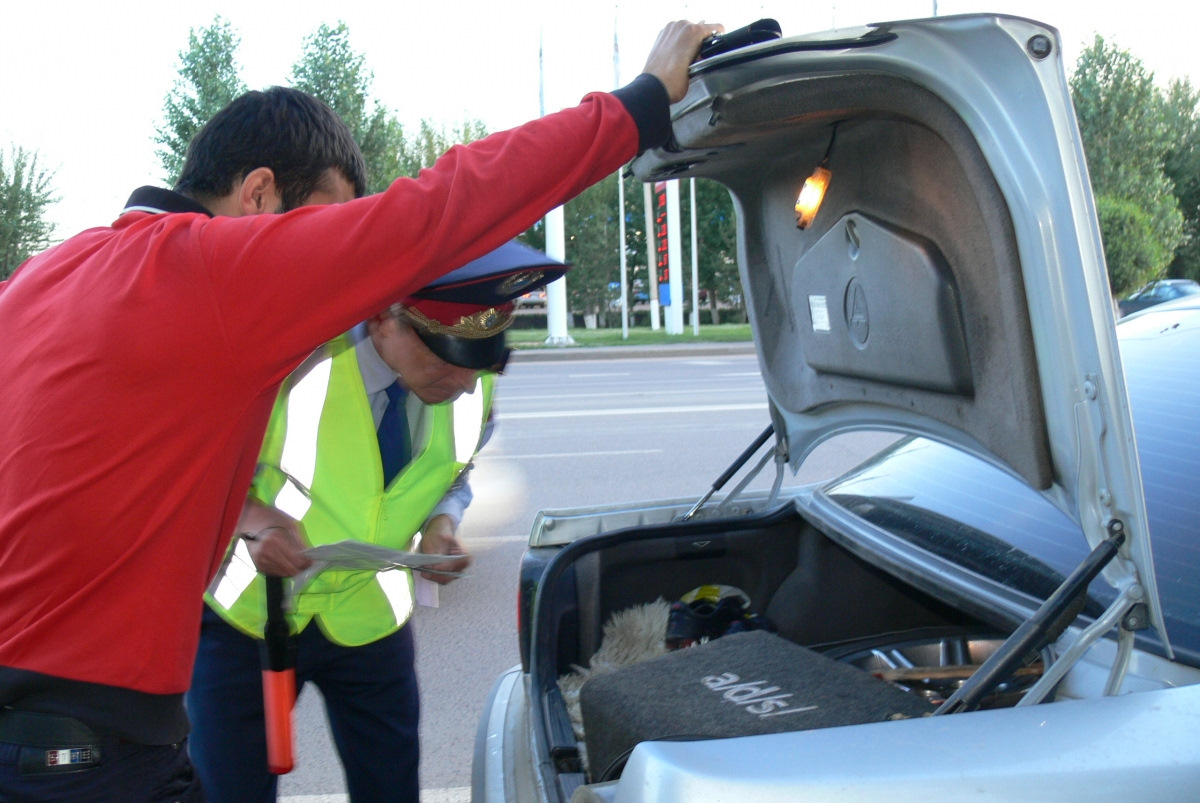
320 465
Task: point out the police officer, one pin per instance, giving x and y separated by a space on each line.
334 468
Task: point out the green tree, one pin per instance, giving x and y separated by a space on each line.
1126 139
1182 167
1137 253
208 80
535 235
592 233
25 195
592 230
635 228
421 150
716 235
332 71
635 242
716 246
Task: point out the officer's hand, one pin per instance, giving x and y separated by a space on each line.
438 539
673 52
274 538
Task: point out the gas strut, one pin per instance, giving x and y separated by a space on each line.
1047 623
733 469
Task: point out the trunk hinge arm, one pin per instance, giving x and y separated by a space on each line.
1127 613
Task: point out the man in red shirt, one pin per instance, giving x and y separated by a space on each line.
139 367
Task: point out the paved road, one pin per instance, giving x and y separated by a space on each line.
572 432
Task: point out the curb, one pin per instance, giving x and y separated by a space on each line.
564 353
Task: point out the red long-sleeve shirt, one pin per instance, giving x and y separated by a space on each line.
137 372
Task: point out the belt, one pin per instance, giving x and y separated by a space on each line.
49 743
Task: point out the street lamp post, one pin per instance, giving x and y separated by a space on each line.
556 246
621 199
695 267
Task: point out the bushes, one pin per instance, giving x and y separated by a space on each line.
640 317
1134 253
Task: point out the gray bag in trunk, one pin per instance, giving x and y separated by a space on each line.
739 685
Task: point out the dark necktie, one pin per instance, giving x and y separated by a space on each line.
394 449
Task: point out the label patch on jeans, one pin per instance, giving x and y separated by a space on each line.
74 755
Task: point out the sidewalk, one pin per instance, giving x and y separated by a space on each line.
682 349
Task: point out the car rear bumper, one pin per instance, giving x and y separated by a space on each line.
503 768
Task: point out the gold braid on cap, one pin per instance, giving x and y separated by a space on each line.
476 326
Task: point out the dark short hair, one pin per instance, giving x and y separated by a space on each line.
295 135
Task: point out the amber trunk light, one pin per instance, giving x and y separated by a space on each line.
811 195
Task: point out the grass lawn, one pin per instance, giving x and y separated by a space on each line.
638 336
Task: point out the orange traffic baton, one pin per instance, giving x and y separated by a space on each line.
278 653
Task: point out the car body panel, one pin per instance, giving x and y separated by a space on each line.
1075 750
561 527
953 284
1006 754
1017 366
1157 292
503 757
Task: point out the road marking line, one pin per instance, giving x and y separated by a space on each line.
638 392
715 408
484 540
594 376
549 366
453 794
568 454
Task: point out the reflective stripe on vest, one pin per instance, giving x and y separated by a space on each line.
299 463
395 587
468 412
236 575
326 474
299 459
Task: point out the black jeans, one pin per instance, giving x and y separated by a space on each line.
371 700
126 773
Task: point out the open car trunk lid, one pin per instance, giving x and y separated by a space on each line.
952 283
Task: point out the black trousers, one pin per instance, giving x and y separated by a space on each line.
370 697
126 773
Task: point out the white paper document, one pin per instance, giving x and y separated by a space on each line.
361 556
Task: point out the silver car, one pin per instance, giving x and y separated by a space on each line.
920 255
1157 292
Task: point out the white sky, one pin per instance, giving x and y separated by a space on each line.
84 82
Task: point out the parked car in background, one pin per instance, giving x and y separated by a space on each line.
992 567
637 294
534 298
1157 292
